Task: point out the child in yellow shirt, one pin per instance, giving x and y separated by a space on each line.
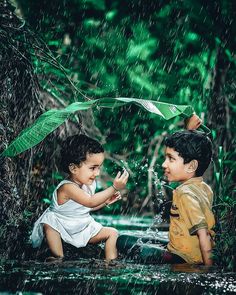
187 156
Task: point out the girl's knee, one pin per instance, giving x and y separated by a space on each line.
47 228
113 232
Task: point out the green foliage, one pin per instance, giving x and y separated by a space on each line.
52 119
225 207
158 50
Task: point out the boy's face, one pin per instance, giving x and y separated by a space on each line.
174 167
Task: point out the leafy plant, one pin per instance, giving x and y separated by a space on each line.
179 52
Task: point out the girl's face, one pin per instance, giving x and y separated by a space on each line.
87 172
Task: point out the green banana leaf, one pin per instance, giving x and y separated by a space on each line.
50 120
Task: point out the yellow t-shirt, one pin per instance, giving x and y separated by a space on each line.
191 210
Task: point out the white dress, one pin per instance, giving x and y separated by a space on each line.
71 219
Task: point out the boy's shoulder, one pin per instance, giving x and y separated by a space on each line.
194 187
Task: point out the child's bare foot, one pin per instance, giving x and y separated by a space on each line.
54 259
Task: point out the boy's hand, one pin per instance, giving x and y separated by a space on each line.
193 122
121 180
116 197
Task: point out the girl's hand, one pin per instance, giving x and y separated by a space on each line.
116 197
193 122
121 180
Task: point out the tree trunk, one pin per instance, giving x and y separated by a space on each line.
218 103
19 101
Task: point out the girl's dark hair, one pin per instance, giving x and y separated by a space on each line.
76 148
192 145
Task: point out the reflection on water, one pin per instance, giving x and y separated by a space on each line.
125 222
94 276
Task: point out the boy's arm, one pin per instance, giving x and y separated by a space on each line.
205 245
192 123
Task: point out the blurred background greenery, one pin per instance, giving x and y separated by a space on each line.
180 52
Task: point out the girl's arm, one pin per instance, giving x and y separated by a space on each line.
70 191
99 207
205 245
113 199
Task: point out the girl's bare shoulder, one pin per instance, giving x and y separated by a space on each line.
68 188
65 192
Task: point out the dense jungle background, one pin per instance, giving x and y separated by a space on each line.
53 53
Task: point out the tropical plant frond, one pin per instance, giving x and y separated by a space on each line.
52 119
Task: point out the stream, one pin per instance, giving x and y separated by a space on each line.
95 276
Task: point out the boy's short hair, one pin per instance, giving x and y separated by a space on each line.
76 148
192 145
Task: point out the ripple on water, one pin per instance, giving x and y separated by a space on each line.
75 277
94 276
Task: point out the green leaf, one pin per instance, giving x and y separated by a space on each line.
110 15
54 43
220 151
46 201
142 50
217 176
164 11
191 37
52 119
88 23
57 175
96 4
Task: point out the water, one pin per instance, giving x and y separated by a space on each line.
95 276
91 276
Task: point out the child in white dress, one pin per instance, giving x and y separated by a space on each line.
68 216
